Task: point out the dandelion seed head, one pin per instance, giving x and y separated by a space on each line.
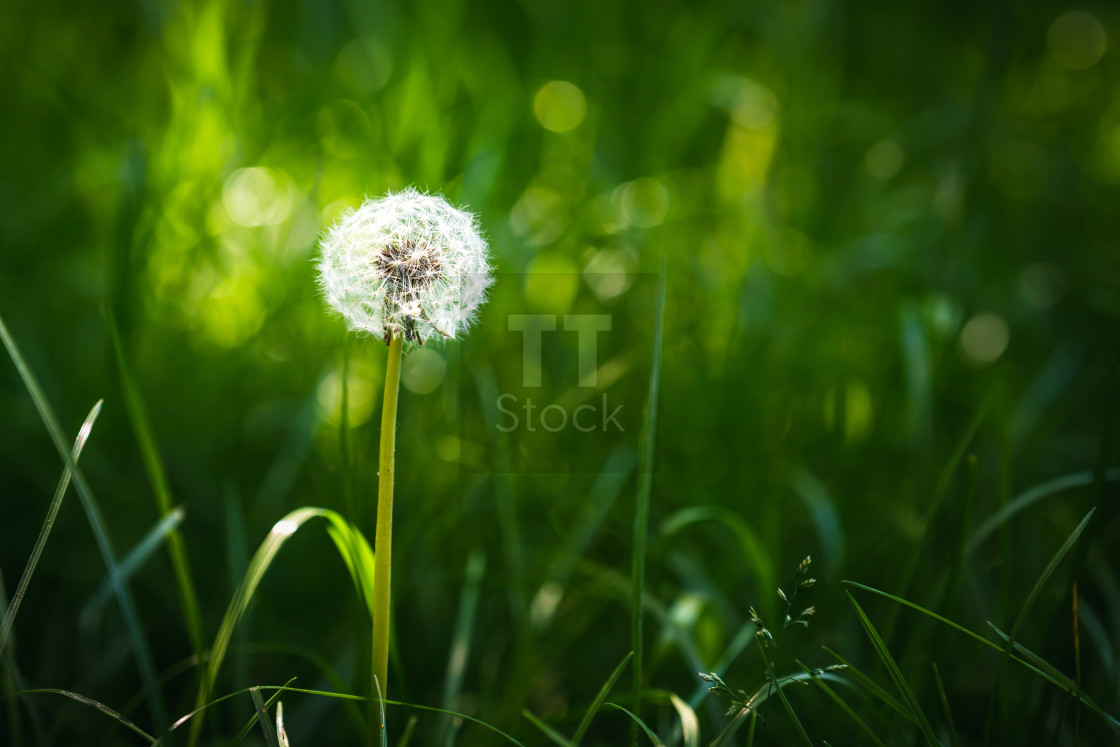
407 264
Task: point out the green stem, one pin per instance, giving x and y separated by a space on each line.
383 541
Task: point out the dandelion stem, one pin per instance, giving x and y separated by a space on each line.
383 542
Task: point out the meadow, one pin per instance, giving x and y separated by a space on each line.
833 457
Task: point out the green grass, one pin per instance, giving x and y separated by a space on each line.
861 270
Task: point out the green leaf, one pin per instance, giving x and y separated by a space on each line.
600 698
895 672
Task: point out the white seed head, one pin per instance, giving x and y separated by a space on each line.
406 264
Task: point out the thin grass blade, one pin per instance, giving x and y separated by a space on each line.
1029 660
690 724
132 562
48 523
832 694
353 556
641 511
86 701
642 724
97 524
954 740
782 695
873 687
461 639
554 736
600 698
161 487
895 672
262 718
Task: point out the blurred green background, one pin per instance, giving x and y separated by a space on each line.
878 219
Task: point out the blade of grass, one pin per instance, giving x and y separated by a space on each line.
132 562
1031 661
639 723
954 740
48 523
383 733
157 474
601 698
832 694
782 695
754 551
554 736
641 512
262 718
1017 626
260 563
1031 496
241 735
894 671
137 639
92 704
461 639
873 687
940 490
13 680
341 696
690 724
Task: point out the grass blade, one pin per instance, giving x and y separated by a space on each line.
601 698
1029 660
97 525
354 551
832 694
554 736
461 638
690 725
1047 572
641 511
895 672
257 715
131 563
341 696
262 718
873 687
782 694
954 740
1031 496
639 723
92 704
157 474
48 523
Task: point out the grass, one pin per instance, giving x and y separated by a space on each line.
860 267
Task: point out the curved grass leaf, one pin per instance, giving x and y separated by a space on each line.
92 704
97 524
754 553
1032 662
873 687
641 509
895 672
157 474
1029 497
554 736
819 681
48 523
600 698
340 696
354 549
649 732
782 695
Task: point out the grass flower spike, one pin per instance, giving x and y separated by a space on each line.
407 264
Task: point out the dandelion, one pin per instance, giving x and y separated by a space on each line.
406 267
